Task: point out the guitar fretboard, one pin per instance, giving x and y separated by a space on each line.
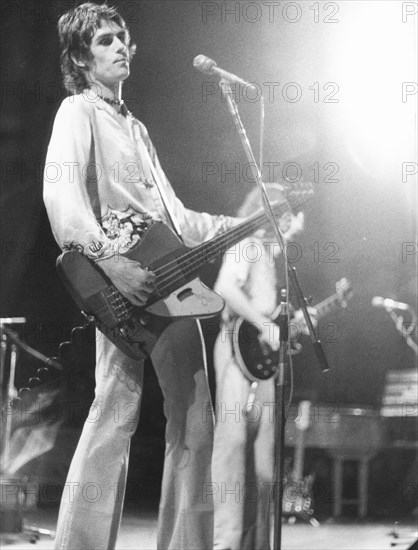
190 264
327 305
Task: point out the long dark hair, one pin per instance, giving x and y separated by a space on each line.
76 29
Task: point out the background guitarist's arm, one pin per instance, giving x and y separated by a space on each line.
229 286
298 324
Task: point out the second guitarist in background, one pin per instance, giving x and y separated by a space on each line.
243 457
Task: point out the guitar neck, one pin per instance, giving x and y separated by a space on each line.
327 305
299 459
193 261
305 412
190 264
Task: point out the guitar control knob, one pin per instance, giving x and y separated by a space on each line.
144 320
259 367
124 331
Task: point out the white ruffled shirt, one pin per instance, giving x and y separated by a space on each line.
101 183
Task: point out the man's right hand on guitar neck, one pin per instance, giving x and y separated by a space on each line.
132 280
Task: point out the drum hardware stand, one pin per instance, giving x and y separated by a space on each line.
290 274
10 394
399 324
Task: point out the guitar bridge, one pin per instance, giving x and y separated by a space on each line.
120 307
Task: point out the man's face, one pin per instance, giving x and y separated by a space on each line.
110 57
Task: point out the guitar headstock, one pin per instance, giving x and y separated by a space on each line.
344 291
298 192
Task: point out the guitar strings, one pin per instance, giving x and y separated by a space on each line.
258 219
326 304
172 271
191 259
166 277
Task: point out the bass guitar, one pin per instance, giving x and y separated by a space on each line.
178 291
257 360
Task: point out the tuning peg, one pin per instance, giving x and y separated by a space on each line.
42 372
34 381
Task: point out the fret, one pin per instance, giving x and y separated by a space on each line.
192 262
187 266
327 305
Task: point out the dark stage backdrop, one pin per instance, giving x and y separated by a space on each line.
360 223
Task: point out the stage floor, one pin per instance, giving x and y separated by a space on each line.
138 532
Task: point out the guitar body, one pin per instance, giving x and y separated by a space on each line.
133 329
259 361
298 497
255 361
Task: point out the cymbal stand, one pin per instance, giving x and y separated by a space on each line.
10 391
10 394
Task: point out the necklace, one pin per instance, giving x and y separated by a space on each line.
113 102
116 103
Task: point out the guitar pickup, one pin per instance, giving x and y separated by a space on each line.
184 294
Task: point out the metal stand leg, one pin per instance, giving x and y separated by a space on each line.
338 471
363 484
13 494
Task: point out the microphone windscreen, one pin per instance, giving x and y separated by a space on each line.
204 64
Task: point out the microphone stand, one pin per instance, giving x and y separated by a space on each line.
280 419
399 324
284 348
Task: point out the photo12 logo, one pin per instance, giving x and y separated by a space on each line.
269 11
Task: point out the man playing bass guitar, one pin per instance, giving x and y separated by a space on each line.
104 189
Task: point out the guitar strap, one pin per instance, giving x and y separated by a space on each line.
163 194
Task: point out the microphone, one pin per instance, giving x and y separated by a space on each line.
208 66
387 303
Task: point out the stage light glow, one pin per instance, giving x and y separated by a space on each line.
375 61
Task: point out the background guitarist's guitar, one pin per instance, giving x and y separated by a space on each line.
179 292
255 361
297 490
